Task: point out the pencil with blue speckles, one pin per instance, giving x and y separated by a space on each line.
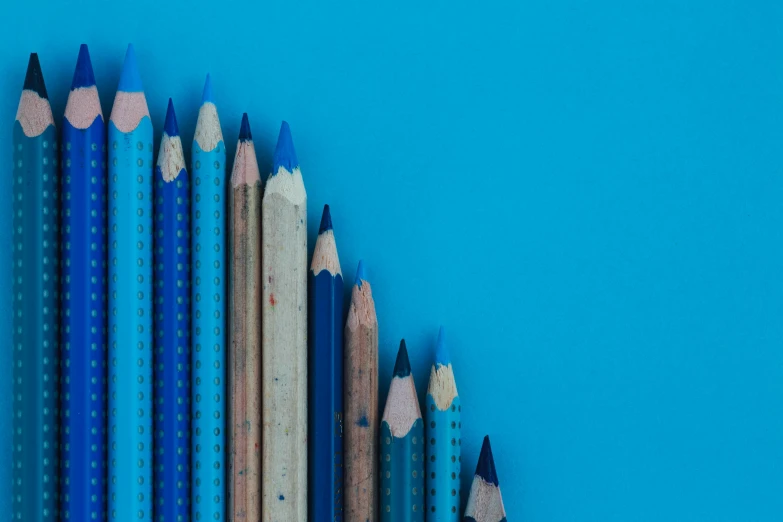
208 166
443 439
172 327
402 448
485 503
36 301
84 293
130 300
326 378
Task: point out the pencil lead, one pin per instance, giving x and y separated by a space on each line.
244 129
285 155
442 356
206 96
486 464
33 80
360 275
83 76
130 79
326 221
402 367
171 127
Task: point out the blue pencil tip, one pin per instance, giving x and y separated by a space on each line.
130 79
326 221
83 75
244 129
402 368
360 274
486 464
207 95
442 356
33 80
171 127
285 155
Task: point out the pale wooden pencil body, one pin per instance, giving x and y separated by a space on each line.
244 375
361 407
284 313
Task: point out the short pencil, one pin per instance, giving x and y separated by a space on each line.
485 503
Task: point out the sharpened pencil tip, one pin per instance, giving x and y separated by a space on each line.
285 155
486 464
171 127
33 80
130 79
402 367
360 275
326 220
442 356
206 96
244 129
83 76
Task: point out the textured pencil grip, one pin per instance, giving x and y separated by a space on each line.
402 475
443 461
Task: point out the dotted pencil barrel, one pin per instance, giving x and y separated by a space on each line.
83 468
172 328
35 322
209 313
130 301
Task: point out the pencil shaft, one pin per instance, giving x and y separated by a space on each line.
402 474
443 461
244 472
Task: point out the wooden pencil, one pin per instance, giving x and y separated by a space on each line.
485 503
244 376
402 448
130 300
326 378
84 291
172 327
36 301
444 444
361 404
209 313
284 314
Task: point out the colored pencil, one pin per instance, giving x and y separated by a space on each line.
361 404
485 503
402 448
284 315
172 327
244 377
443 439
209 313
130 300
326 378
84 291
36 301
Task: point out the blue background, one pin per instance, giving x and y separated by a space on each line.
587 196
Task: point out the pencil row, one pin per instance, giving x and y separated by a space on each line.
147 300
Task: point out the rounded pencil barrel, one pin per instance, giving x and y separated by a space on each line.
402 495
443 461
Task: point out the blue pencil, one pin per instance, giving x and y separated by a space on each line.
130 300
209 313
443 439
84 291
402 448
172 327
326 378
485 503
35 299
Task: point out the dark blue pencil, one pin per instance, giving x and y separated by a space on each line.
326 378
485 503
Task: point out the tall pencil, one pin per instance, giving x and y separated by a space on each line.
402 448
130 300
209 313
36 293
84 293
284 314
361 404
244 376
172 327
443 439
485 503
326 378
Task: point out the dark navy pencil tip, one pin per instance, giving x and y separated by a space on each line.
130 79
326 220
83 76
360 274
402 368
244 129
486 464
206 96
285 155
442 356
33 80
171 127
